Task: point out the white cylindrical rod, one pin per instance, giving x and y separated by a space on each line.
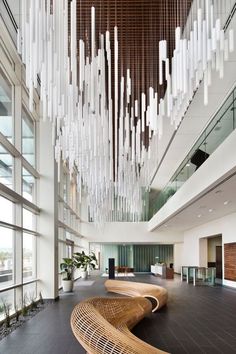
177 38
199 34
160 63
231 40
116 92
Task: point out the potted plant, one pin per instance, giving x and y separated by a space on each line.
85 262
67 267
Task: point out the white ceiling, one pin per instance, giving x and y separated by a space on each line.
215 204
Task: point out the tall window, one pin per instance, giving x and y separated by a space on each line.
28 185
6 167
6 120
28 138
29 249
7 210
6 257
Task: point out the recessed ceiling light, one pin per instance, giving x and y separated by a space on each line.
210 210
188 164
199 215
226 202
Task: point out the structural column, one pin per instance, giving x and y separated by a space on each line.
47 225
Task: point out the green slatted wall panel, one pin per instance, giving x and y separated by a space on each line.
144 256
125 255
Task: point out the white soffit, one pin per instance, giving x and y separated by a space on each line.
216 204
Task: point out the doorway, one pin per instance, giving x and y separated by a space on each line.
215 255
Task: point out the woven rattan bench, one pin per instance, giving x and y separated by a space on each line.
102 325
154 293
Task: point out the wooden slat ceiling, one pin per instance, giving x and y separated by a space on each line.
141 24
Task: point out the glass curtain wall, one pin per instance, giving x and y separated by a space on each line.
18 199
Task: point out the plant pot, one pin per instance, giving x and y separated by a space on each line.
84 274
67 285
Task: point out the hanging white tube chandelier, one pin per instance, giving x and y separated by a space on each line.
76 96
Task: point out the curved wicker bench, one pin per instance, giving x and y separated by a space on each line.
102 325
154 293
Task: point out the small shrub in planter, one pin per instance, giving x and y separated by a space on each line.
24 308
41 301
67 267
85 262
6 309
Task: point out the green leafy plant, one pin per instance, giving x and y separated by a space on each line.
6 309
1 309
33 303
24 308
41 301
85 261
17 313
68 267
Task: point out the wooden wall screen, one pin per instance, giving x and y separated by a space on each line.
230 261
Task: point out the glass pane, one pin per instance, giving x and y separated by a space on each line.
29 259
5 107
61 254
6 257
6 297
28 219
6 168
6 207
28 185
29 292
28 144
61 234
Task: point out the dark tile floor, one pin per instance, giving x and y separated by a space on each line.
197 320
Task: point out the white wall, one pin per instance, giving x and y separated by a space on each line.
178 256
203 252
127 232
192 250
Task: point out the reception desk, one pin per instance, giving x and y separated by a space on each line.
162 271
158 269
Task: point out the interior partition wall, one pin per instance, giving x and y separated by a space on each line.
145 255
140 257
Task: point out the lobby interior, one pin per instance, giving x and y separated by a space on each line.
117 138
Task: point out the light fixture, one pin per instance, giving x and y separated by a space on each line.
199 215
226 202
95 132
210 210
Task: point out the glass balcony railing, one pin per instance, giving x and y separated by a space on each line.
216 132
